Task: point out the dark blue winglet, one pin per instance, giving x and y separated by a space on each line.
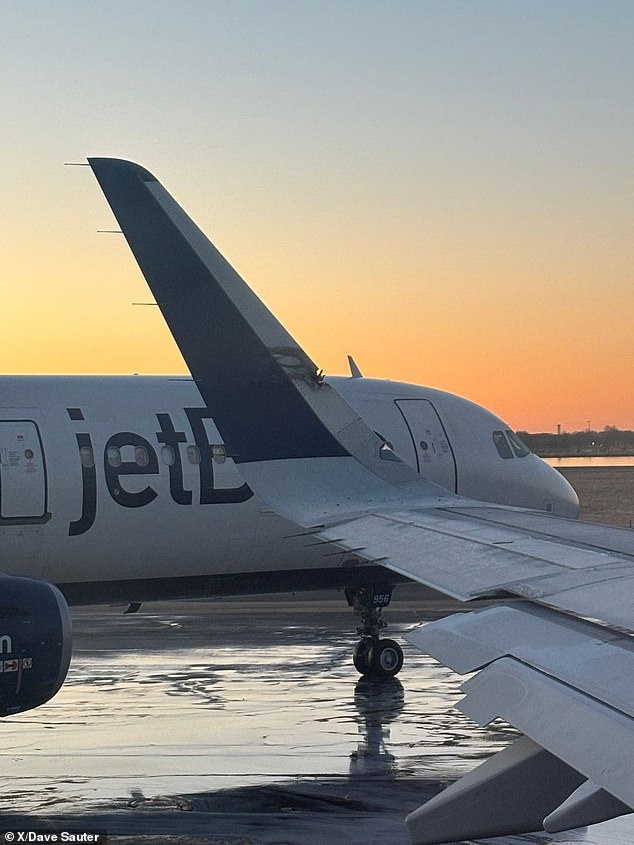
243 381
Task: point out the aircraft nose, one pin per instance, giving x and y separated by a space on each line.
564 497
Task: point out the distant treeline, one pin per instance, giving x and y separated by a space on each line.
575 444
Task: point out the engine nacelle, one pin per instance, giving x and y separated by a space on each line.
35 643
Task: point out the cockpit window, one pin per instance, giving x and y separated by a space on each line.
520 448
502 444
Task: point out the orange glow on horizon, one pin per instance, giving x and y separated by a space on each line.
535 368
514 314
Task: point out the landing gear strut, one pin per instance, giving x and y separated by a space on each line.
372 656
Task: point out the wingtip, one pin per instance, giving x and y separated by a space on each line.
102 166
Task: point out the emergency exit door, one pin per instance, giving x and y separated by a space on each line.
22 471
434 456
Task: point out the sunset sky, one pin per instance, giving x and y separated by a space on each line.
442 189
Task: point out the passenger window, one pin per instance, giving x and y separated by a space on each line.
193 454
114 456
520 448
168 456
502 444
87 457
141 456
219 453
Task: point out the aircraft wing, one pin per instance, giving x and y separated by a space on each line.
553 655
555 658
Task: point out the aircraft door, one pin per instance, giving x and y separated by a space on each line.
22 471
434 455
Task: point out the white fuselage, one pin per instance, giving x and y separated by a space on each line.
117 487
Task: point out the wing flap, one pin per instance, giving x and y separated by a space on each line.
590 534
583 656
568 686
480 552
425 547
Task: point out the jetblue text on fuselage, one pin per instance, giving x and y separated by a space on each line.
167 436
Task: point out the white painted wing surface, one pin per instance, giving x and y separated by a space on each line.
480 551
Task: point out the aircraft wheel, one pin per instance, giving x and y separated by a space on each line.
385 658
360 656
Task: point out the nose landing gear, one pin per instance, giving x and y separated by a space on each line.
378 658
374 657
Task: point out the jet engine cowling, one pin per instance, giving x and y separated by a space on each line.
35 643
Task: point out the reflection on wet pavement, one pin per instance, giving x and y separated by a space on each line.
238 719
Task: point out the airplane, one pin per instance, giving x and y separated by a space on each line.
258 474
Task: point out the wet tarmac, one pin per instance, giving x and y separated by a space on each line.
244 723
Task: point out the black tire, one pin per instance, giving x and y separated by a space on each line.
385 658
360 656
